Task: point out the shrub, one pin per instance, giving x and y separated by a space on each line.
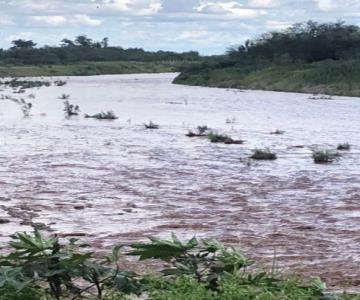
263 154
109 115
324 156
342 147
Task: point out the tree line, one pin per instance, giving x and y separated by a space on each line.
83 48
303 42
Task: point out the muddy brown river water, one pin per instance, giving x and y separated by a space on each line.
116 182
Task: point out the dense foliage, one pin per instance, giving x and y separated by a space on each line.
307 57
83 48
47 268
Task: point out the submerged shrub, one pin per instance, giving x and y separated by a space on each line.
70 109
263 154
200 131
60 82
64 97
344 146
277 131
109 115
151 125
324 156
221 138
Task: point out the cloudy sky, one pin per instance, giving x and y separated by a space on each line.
209 26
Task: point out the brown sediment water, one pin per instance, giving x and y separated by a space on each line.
116 182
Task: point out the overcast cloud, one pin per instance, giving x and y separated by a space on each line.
209 26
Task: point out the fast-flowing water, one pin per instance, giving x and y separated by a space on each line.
116 182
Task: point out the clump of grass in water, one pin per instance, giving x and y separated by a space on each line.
342 147
70 109
201 131
64 97
263 154
110 115
277 131
60 83
324 156
222 138
151 125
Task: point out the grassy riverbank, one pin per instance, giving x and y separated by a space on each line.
87 68
333 77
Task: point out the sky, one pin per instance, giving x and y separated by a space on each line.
207 26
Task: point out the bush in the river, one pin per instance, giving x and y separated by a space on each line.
222 138
59 82
40 267
70 109
151 125
25 107
64 97
200 131
25 84
324 156
263 154
344 146
277 131
109 115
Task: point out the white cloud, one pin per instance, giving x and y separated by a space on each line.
49 20
86 20
326 5
263 3
186 35
229 8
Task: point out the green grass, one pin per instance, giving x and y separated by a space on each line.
263 154
86 69
326 77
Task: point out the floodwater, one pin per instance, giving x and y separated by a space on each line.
112 182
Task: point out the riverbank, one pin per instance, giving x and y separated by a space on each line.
325 77
87 68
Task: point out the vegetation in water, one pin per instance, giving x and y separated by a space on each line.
151 125
109 115
277 132
200 131
344 146
263 154
324 156
39 267
71 109
222 138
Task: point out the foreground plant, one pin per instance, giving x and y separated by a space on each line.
324 156
44 268
109 115
36 261
221 138
263 154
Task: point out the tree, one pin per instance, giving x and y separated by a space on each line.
83 41
105 42
23 44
